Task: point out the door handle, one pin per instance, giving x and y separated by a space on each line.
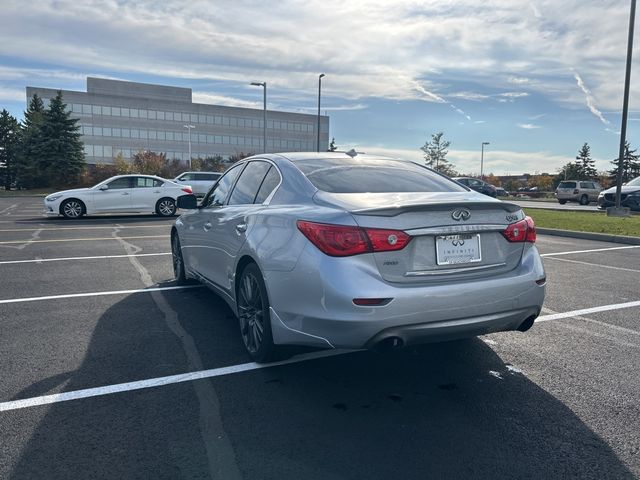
207 226
241 227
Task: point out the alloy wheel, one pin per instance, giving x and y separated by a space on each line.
166 208
72 209
251 312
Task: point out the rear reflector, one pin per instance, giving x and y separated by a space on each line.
344 240
522 231
371 301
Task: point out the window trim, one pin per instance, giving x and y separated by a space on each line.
203 204
264 160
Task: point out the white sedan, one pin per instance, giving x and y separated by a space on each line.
119 194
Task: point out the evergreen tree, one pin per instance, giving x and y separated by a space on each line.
630 165
9 148
27 172
587 164
62 152
435 155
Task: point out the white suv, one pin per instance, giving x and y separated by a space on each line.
201 182
579 191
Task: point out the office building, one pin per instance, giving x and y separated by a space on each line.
127 117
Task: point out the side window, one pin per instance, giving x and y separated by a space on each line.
474 183
249 182
209 177
268 184
218 194
185 177
120 183
145 182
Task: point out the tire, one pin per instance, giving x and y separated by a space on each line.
253 315
166 207
178 262
562 202
584 200
72 208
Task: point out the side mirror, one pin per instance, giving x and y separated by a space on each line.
104 187
187 202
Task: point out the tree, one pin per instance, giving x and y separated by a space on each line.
587 164
544 183
332 145
210 164
148 162
61 150
492 179
630 165
435 153
570 171
236 157
28 173
9 147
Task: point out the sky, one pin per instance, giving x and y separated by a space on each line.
534 79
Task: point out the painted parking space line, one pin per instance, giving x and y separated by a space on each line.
598 265
119 227
161 381
244 367
86 239
97 294
97 257
589 251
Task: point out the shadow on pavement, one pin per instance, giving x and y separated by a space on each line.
452 410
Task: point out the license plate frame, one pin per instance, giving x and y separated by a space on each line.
449 250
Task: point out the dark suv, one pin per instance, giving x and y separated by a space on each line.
478 185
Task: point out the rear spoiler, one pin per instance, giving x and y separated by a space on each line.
393 210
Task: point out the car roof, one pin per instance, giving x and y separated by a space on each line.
201 171
297 156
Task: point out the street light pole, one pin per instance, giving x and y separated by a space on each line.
319 90
189 127
625 111
264 114
482 159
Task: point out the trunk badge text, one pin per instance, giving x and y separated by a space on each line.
461 214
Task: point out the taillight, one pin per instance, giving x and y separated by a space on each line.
576 191
522 231
344 241
187 190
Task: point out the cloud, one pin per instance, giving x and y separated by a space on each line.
211 98
513 94
528 126
12 94
589 99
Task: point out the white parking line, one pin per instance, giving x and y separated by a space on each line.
244 367
160 381
599 265
163 225
588 251
85 239
98 257
96 294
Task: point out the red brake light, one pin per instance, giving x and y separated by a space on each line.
522 231
344 241
187 190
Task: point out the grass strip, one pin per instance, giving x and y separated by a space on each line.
585 222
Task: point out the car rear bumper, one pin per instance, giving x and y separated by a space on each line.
313 306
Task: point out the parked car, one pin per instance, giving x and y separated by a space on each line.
200 182
478 185
501 192
579 191
629 196
119 194
326 250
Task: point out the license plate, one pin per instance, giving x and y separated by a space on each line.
458 249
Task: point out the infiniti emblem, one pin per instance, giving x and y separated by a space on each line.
461 214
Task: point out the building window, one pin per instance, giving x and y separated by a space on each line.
194 118
88 150
202 118
86 109
124 112
153 135
133 112
161 135
161 116
97 151
126 133
115 111
152 115
218 119
142 113
107 151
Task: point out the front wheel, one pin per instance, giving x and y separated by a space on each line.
584 200
253 315
166 207
178 261
72 208
562 202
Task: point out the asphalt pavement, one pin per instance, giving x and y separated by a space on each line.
108 371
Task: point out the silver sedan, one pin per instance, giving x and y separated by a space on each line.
356 251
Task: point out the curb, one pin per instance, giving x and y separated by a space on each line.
42 195
600 237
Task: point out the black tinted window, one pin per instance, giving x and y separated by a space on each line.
567 185
120 183
248 184
373 176
218 194
207 176
270 182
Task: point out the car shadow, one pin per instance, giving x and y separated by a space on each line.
450 410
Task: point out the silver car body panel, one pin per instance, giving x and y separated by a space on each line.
311 294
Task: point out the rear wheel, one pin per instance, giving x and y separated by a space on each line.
562 202
72 208
166 207
584 200
253 315
178 261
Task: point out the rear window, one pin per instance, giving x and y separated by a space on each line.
373 176
207 176
567 185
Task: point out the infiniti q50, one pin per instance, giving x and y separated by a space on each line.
356 251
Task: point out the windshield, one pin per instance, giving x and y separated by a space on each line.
634 183
374 176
